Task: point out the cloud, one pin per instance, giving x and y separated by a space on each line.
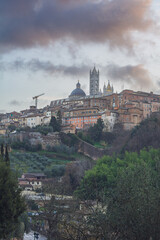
15 103
35 65
35 22
135 76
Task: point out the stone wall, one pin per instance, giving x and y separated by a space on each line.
36 138
82 146
90 151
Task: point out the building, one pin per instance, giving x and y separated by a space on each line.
130 116
108 90
31 181
94 82
82 118
34 120
77 92
109 117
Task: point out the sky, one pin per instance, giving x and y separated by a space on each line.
47 46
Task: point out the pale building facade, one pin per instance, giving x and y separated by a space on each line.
109 118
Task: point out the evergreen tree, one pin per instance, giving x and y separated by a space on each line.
11 203
95 132
59 120
55 124
2 151
7 155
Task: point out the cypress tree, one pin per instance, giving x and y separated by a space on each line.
12 204
59 120
7 156
2 151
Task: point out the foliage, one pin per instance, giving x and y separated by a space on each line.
59 120
102 177
32 205
94 133
11 128
26 145
74 173
69 139
24 129
108 137
63 148
33 162
56 123
11 203
85 137
129 187
43 129
133 210
22 226
147 134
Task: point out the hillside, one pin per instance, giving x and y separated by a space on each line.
146 135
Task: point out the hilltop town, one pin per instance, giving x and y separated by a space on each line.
80 111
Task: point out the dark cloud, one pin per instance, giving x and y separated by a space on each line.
136 76
15 103
35 65
36 22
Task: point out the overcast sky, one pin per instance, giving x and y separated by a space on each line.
47 46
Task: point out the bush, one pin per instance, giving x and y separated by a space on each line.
45 129
64 149
26 145
58 171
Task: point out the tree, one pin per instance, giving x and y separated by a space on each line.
95 132
7 155
59 120
133 210
54 124
12 128
129 188
11 203
2 151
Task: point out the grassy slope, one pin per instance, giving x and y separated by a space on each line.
41 161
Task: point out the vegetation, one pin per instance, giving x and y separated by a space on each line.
128 186
56 123
25 145
94 133
44 129
11 203
51 165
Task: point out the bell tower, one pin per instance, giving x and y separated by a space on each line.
94 82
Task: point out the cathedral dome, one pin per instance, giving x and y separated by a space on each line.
78 92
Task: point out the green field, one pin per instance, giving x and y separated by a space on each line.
52 164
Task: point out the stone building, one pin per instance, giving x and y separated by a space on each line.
77 93
108 90
94 82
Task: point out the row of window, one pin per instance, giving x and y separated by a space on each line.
88 120
81 118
